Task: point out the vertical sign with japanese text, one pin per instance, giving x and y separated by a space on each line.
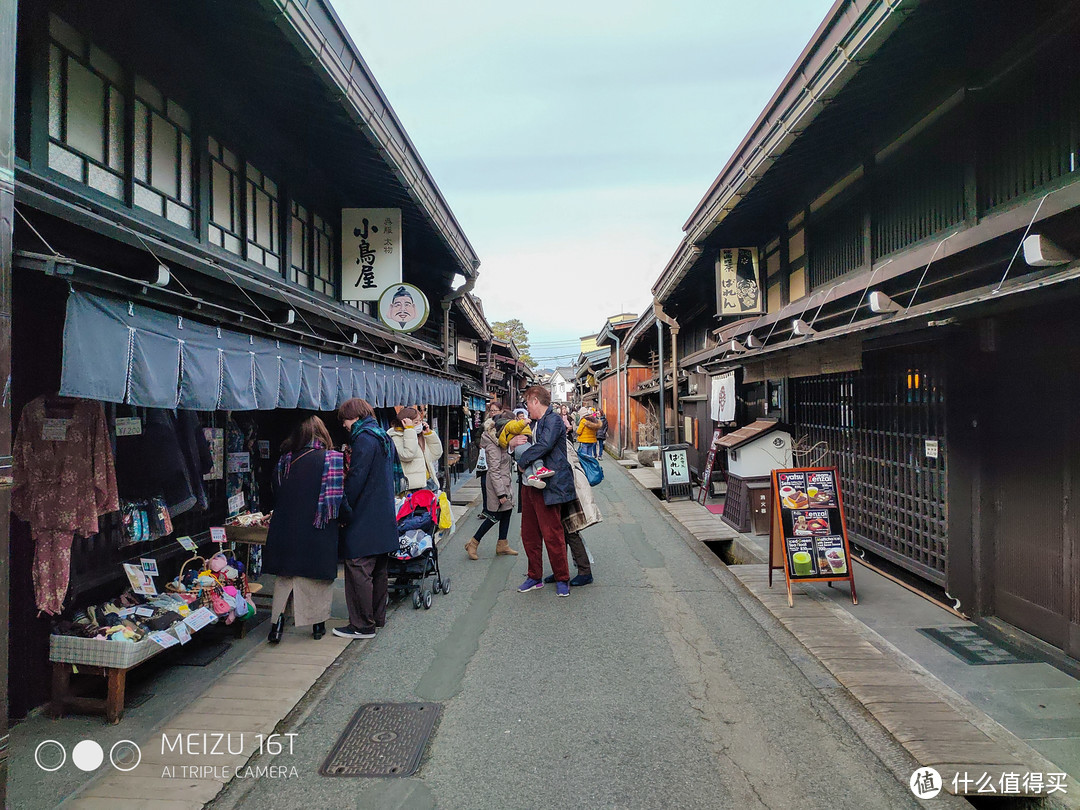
370 252
738 282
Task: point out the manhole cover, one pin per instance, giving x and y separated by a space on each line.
977 645
383 739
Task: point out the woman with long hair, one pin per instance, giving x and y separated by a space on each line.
418 447
302 542
498 490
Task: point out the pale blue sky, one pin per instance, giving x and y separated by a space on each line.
573 139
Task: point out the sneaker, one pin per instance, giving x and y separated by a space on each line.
530 584
544 472
549 578
348 631
534 481
581 579
562 588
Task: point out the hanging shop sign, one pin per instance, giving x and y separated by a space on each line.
738 282
404 308
722 398
809 536
370 252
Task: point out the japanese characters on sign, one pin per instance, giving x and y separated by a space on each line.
738 282
370 252
675 466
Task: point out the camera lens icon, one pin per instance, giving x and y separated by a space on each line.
87 755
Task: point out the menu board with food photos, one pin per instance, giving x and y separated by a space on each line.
809 534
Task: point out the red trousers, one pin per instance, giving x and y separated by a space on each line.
541 525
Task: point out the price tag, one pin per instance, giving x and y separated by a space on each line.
129 426
125 612
140 580
238 463
198 619
187 543
55 430
264 448
182 632
144 612
236 503
217 535
149 566
163 639
931 447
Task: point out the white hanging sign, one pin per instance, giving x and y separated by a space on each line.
370 252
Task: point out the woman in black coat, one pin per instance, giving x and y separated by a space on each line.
301 544
370 530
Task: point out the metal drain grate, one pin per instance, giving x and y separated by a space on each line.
383 739
977 645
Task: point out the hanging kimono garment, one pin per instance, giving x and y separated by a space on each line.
64 480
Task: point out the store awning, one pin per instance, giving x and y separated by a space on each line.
119 351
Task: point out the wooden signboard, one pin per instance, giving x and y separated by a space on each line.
809 536
710 462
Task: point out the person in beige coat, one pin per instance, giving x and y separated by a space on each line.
418 447
498 491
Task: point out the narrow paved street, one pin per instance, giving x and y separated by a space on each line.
652 687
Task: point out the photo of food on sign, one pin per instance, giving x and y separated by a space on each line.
830 555
810 522
821 489
793 490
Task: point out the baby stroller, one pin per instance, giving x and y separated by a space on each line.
417 558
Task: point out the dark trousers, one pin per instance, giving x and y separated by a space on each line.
504 525
365 591
541 525
578 552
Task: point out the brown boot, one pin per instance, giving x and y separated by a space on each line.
503 547
470 549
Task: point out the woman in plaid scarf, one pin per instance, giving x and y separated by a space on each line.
301 544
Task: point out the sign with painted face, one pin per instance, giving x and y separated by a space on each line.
370 252
404 308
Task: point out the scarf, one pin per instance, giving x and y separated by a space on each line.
369 425
333 482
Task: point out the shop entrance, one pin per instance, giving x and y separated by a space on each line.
885 430
1036 470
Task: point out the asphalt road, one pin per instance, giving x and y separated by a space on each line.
655 686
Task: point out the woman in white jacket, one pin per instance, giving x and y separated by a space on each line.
418 448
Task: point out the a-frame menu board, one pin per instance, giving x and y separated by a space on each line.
808 529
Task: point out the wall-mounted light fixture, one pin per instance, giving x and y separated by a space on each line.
1041 252
286 318
881 304
800 328
735 347
163 276
753 342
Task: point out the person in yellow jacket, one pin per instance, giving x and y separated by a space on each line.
418 447
519 426
586 432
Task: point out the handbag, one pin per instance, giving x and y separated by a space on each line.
593 471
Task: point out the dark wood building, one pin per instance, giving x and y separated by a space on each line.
911 194
188 163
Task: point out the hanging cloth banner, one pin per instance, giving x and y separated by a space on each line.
722 397
738 282
116 351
